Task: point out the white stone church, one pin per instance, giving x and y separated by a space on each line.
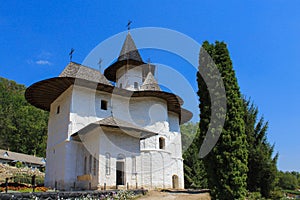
111 130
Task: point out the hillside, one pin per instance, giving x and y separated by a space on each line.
7 171
23 128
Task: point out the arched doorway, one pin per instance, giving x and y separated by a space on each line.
175 182
120 170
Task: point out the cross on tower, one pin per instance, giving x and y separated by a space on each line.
99 64
128 24
71 53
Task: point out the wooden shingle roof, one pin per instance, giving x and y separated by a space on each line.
150 83
129 50
112 122
129 55
43 93
76 70
15 157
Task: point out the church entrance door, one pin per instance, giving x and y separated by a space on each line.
175 182
120 173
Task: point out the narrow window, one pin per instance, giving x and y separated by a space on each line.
121 85
107 164
85 163
136 85
57 109
103 105
133 165
161 143
90 164
95 166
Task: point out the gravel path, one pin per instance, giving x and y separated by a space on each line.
156 195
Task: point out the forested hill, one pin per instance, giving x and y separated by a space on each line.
23 128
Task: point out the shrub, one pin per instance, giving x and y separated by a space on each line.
19 164
276 194
25 178
124 195
254 196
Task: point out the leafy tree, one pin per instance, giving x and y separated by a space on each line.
194 172
287 180
226 164
23 128
261 163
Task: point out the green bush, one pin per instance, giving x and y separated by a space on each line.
26 179
124 195
19 164
254 196
276 194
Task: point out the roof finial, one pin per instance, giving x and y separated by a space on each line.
128 24
99 64
71 54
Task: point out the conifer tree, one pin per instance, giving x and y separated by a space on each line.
194 172
226 164
261 163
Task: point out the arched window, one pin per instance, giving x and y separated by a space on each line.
133 165
95 166
161 143
90 164
58 110
85 163
107 164
121 85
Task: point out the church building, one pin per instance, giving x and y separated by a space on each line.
112 130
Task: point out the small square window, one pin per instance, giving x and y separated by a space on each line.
103 105
161 143
57 109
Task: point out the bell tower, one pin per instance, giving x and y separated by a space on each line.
130 71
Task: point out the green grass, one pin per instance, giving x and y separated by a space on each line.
292 192
28 190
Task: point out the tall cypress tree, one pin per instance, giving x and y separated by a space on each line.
226 164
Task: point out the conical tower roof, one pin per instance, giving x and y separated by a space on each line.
150 83
129 50
129 56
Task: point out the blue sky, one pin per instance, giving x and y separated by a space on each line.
263 38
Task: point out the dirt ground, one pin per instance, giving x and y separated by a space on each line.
156 195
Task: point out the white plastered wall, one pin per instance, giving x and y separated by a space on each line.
127 80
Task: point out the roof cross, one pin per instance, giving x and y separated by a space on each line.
71 53
100 64
128 24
